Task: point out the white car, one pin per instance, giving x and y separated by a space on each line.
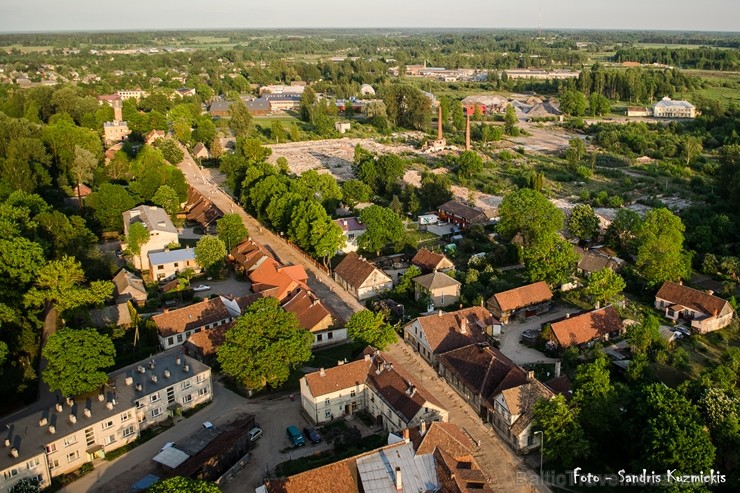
201 287
208 425
167 445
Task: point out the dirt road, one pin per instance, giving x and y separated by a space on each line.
334 297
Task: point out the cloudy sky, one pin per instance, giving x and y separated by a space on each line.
62 15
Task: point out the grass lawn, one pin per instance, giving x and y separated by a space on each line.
27 49
266 121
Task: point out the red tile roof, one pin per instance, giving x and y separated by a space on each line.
691 298
338 378
208 341
248 254
459 474
191 317
429 261
270 274
443 329
523 296
354 269
446 436
308 309
586 327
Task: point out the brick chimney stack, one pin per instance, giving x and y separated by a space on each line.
467 131
439 122
399 482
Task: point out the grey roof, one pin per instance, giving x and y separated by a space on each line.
436 280
154 218
125 280
171 457
220 106
28 437
107 316
378 471
257 104
463 211
166 257
667 102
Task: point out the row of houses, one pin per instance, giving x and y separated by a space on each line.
44 442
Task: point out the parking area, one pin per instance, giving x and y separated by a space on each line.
511 335
230 286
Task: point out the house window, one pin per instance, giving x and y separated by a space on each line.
327 414
139 404
179 337
70 440
126 416
327 402
51 448
203 391
160 267
170 341
73 456
352 393
330 335
156 412
54 464
200 378
154 397
319 337
127 432
185 385
176 265
187 398
110 439
10 474
108 424
33 463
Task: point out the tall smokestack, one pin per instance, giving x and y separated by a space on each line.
117 110
439 122
467 130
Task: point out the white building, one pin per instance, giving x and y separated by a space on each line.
352 229
668 108
167 264
45 443
132 93
161 231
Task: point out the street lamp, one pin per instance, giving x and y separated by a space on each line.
542 444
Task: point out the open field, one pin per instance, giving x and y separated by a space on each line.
26 49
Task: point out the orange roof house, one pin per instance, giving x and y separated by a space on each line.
527 300
703 310
587 327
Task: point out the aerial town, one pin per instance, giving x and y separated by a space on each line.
381 260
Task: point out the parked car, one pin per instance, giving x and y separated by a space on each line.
201 287
295 436
255 433
682 330
312 434
208 425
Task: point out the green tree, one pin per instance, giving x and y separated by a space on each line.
313 230
564 439
137 236
179 484
510 121
583 222
643 337
277 131
660 253
166 197
406 281
530 213
371 329
240 120
26 485
435 190
20 261
231 230
83 167
622 232
666 432
210 253
691 148
469 163
573 103
170 150
60 284
604 285
308 100
576 152
406 106
355 191
321 186
550 259
596 397
216 148
383 226
77 359
598 104
264 345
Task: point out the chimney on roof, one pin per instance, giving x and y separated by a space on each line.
464 325
368 357
439 313
557 368
422 427
399 482
530 376
567 315
710 292
406 437
322 372
680 282
165 310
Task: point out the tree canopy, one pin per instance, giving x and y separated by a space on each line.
370 329
231 230
604 285
383 226
77 359
660 253
583 222
528 212
210 252
179 484
264 345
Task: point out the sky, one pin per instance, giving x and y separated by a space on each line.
95 15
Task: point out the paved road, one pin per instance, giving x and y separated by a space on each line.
505 470
336 299
512 334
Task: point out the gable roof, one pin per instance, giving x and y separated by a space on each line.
201 210
586 327
126 282
308 309
691 298
338 378
191 317
458 209
350 224
153 217
118 315
199 147
561 385
594 261
459 474
427 260
443 330
208 341
355 270
446 436
81 190
483 369
523 296
270 274
248 254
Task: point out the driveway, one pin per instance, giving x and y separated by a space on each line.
511 334
229 286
